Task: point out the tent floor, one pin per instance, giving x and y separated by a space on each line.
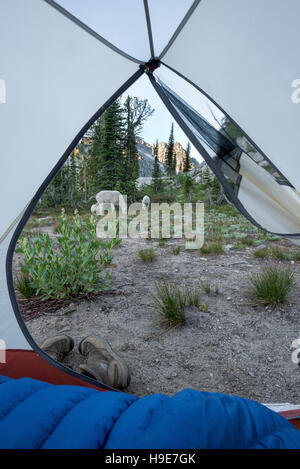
28 364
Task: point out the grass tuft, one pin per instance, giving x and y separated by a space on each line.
176 250
205 287
22 284
147 255
212 247
272 284
170 301
261 253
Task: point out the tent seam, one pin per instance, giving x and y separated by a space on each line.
90 31
179 28
149 28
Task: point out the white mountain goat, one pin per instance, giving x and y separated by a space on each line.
108 197
145 202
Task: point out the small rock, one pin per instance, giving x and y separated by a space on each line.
228 298
227 247
174 374
157 360
66 329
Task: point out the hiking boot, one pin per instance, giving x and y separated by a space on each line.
102 363
58 346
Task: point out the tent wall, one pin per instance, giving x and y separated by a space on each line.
251 181
57 76
245 55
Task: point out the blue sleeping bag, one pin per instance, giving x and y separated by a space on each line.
35 414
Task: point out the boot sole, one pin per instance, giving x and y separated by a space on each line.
113 354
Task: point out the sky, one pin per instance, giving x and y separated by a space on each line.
158 126
133 39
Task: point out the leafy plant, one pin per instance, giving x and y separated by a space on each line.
176 250
69 265
272 284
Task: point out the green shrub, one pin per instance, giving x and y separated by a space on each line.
176 250
170 301
147 255
272 284
69 265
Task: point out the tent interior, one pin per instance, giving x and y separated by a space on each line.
63 67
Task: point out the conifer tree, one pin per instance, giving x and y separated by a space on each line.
93 162
206 178
187 166
174 164
110 156
170 152
130 164
72 196
156 173
136 111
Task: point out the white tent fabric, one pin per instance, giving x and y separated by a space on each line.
268 201
60 72
244 55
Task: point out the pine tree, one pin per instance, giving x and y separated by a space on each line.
188 186
72 196
215 189
110 156
170 152
156 173
93 169
206 178
187 166
136 111
131 164
174 164
83 162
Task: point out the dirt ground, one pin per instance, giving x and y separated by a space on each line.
233 347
